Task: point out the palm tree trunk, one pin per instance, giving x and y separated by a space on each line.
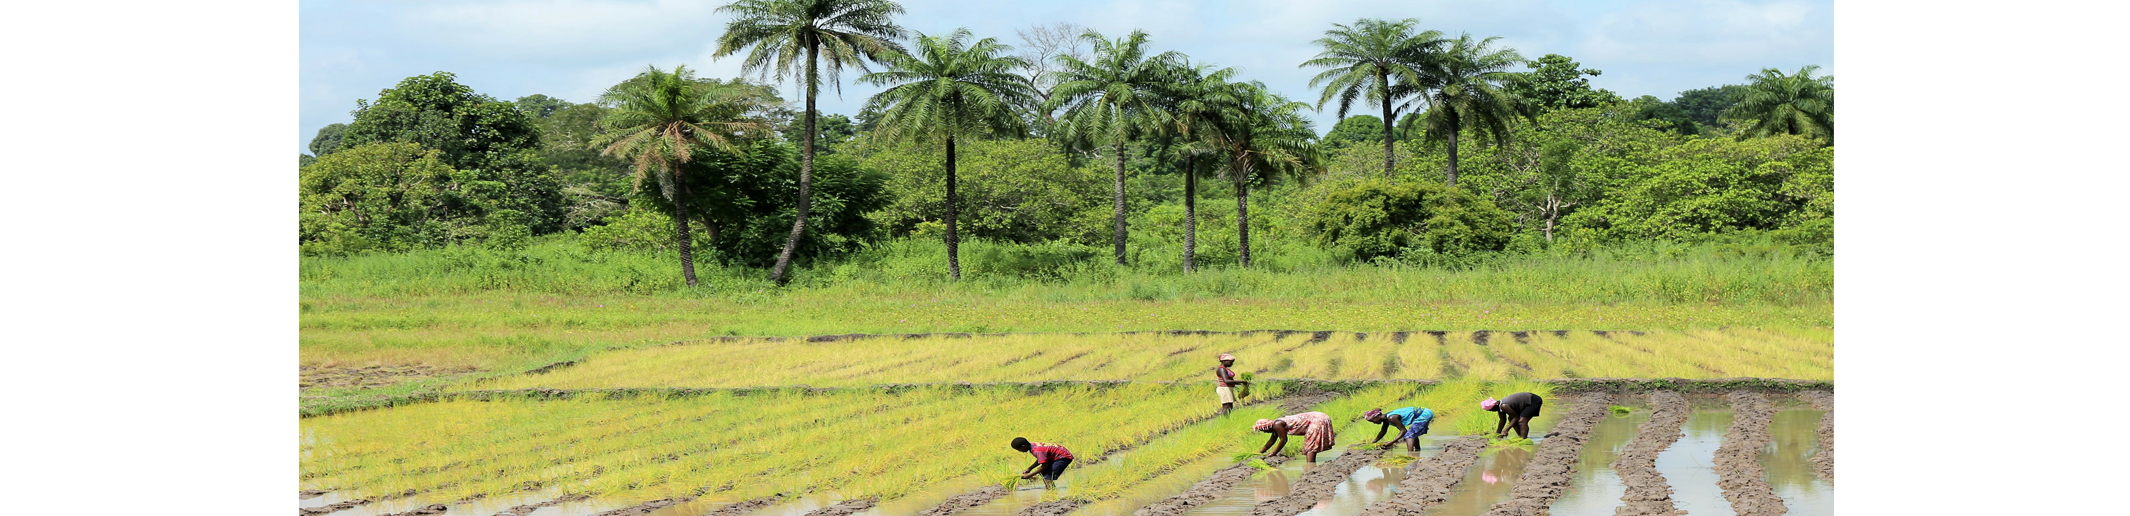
806 172
680 226
953 239
1388 162
1242 212
1190 214
1118 147
1453 157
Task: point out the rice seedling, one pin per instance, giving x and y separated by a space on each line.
1176 358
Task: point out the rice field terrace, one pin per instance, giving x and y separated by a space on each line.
1725 421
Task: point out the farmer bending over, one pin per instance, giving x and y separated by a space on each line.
1411 422
1050 460
1225 382
1514 412
1315 425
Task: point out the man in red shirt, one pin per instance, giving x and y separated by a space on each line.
1050 460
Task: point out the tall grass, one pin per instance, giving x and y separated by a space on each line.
1647 273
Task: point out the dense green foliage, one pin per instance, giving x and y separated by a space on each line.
1509 157
1375 219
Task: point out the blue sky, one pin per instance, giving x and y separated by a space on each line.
573 49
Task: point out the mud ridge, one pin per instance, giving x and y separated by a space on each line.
1050 508
521 510
646 507
1648 493
434 508
1428 482
309 493
846 507
1318 483
333 508
739 508
1553 467
1823 459
1204 491
1738 469
965 501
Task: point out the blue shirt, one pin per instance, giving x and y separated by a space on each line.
1409 415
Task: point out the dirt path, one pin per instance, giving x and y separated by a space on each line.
1823 460
1318 483
1429 481
965 501
1648 493
846 507
1205 490
1738 469
1550 470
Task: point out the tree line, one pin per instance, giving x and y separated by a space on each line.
1473 152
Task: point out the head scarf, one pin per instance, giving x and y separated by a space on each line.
1489 404
1225 356
1372 414
1263 425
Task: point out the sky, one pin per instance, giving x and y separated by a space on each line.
574 49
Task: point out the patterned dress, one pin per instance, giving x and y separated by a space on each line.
1314 426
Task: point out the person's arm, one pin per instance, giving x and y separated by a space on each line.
1381 428
1031 469
1501 418
1282 443
1268 443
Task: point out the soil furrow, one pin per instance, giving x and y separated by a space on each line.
745 507
1205 490
1429 481
434 508
965 501
332 508
1823 459
1648 493
846 507
520 510
1550 470
646 507
1318 483
1050 508
1738 469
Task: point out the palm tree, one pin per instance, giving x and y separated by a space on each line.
1111 100
1377 62
1470 93
797 38
661 117
1194 98
951 89
1779 103
1260 133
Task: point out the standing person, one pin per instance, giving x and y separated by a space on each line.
1315 426
1514 411
1412 423
1050 460
1225 382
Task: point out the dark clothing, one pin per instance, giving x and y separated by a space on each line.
1225 375
1522 404
1052 469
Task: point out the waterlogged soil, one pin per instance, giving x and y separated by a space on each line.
316 377
1823 458
716 507
1598 485
1738 470
1429 481
962 502
1642 490
1788 460
1689 464
1553 467
1365 487
1319 482
1222 483
1493 477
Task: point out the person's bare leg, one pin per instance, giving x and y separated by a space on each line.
1523 428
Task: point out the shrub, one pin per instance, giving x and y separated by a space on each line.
1375 218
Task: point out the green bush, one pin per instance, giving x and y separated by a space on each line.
396 197
1368 219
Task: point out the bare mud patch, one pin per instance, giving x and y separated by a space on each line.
1823 460
1206 490
1050 508
1429 481
1319 483
1738 470
846 507
965 501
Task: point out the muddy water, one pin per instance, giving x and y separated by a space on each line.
1262 487
1789 463
1689 465
1596 489
1158 489
1492 479
1366 486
